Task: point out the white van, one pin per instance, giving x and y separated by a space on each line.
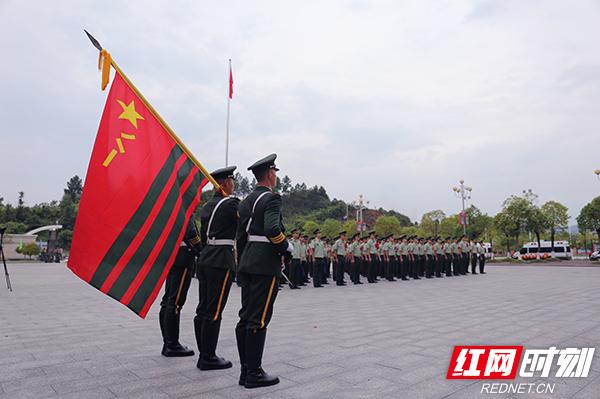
489 254
561 250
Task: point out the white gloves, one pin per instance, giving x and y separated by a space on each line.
290 248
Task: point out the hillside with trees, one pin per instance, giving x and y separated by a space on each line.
522 217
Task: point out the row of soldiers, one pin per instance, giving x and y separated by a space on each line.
387 257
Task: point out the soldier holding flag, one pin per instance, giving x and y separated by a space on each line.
261 243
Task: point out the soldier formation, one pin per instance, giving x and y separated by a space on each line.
389 257
247 239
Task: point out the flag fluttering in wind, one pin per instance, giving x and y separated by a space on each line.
141 188
230 81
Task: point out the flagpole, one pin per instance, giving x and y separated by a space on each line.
165 126
227 123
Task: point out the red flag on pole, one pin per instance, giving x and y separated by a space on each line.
230 81
141 189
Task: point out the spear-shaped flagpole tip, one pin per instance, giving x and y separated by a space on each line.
93 40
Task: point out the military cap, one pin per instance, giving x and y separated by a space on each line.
305 236
267 162
371 232
403 236
341 233
293 231
316 231
336 237
355 235
223 173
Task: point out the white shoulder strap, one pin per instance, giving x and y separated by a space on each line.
253 208
212 215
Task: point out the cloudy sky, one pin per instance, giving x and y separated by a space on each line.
395 100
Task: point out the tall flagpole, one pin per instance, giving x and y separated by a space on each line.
228 105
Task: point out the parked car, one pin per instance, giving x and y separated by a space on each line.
595 255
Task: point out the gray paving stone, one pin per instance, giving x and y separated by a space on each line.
59 337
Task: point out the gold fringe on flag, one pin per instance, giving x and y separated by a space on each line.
104 61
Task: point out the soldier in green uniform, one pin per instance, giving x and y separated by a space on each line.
384 248
467 254
474 256
295 264
304 260
481 252
439 257
371 253
447 247
262 247
464 257
393 259
215 266
420 248
412 258
318 253
355 258
456 257
339 250
403 254
327 260
176 287
429 261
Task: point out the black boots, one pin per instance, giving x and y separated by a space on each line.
251 344
209 336
169 327
240 335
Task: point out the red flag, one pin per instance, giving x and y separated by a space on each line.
230 81
140 191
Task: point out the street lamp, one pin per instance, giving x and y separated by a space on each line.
597 172
360 205
464 193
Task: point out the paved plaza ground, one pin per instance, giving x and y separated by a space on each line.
60 337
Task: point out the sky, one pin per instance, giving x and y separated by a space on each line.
395 100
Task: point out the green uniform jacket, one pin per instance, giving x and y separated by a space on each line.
223 226
261 257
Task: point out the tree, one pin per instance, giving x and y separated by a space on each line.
15 228
242 185
478 222
31 249
558 218
331 228
589 217
68 212
537 223
286 184
74 188
309 227
430 222
386 225
64 238
350 227
450 227
20 212
516 210
507 226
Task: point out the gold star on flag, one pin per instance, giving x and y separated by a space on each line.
129 113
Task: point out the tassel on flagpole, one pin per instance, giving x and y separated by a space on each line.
104 62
